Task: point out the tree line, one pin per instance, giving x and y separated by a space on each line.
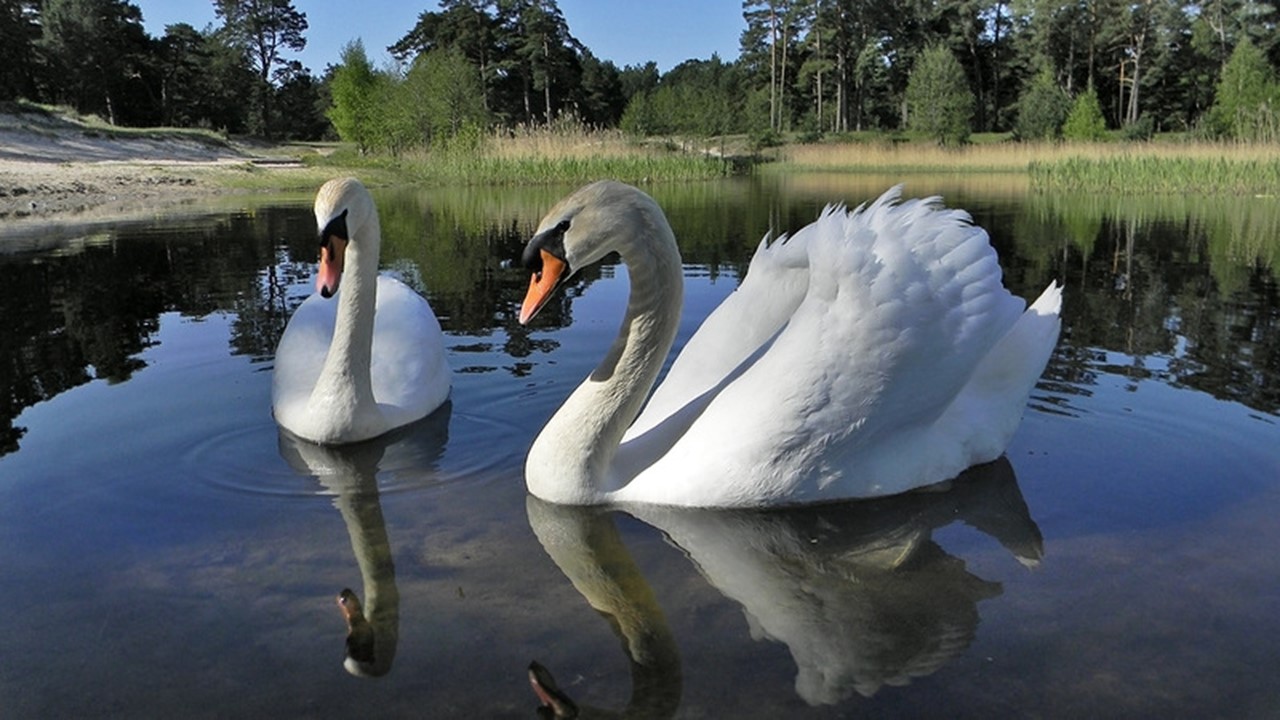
1038 68
96 57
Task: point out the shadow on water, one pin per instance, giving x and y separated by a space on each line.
350 474
860 593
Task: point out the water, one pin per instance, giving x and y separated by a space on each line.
167 553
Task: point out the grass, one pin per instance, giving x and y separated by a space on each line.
561 154
1257 173
1108 167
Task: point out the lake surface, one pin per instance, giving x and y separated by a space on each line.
167 553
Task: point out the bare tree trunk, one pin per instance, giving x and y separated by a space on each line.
817 30
773 67
782 82
546 81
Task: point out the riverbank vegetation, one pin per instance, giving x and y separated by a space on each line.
1081 95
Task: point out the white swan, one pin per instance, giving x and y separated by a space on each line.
872 352
373 360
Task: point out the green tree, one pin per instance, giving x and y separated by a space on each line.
230 103
441 96
1244 107
468 26
1085 121
546 54
939 101
601 99
355 88
19 64
185 60
96 49
638 78
1042 108
263 29
297 97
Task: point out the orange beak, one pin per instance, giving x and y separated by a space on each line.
541 285
330 273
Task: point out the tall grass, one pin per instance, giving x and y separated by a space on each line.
882 156
1139 174
565 152
1155 167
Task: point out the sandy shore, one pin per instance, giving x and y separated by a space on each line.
54 170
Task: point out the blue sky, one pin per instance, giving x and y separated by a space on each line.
628 32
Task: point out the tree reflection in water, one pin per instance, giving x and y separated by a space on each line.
1176 290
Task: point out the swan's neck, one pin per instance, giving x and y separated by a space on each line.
344 389
362 512
570 461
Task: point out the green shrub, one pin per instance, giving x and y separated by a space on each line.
1042 109
939 101
1085 122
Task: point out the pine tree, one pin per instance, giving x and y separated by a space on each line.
939 101
1042 109
1085 122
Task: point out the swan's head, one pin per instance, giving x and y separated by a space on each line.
343 207
554 702
362 660
594 221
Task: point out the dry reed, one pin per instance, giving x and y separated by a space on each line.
1001 157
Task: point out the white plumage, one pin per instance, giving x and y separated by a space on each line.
870 353
367 360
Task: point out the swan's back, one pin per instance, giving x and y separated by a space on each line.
409 372
879 322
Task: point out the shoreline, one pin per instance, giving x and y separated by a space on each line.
57 172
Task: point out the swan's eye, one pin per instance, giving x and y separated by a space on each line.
551 240
337 227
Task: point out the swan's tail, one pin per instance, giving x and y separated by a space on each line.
997 393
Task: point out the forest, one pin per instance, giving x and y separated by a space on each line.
1033 69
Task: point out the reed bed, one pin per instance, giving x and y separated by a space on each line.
906 157
563 153
1129 168
1139 174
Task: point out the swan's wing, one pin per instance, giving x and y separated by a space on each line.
410 374
750 317
300 355
902 302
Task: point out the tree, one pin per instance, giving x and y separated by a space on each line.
96 49
19 63
443 96
185 61
1042 108
263 28
297 97
939 101
545 51
601 100
355 90
1244 108
467 26
1085 121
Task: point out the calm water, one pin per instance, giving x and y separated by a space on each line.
167 553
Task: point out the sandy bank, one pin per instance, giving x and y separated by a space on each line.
58 170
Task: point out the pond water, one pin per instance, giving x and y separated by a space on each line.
167 553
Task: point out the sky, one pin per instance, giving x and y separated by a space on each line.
628 32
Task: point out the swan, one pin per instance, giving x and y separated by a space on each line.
870 353
374 359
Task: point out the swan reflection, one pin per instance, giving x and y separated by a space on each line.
860 593
350 474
